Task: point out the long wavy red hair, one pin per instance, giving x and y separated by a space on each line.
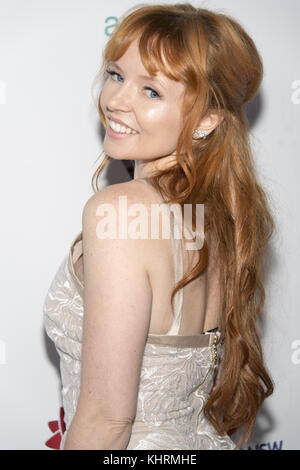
219 63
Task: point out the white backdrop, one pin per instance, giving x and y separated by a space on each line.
51 135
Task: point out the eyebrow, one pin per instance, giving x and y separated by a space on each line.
145 77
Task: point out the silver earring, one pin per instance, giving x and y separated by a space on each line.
199 134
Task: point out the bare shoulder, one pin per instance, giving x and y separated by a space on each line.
142 254
113 206
134 190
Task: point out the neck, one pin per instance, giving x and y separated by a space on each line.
144 169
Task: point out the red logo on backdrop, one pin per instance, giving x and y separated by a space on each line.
58 428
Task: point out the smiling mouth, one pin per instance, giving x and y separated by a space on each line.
116 128
111 133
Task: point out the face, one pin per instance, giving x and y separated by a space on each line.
152 108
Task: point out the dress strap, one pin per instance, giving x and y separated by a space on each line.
177 245
77 248
178 272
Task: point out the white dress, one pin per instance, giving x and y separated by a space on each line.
177 372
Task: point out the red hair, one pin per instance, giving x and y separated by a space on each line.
219 63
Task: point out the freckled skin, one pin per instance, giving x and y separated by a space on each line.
157 119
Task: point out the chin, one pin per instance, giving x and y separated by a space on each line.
115 155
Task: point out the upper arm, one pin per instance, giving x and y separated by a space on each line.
117 309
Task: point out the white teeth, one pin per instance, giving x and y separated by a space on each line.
121 129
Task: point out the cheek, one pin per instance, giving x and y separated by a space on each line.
163 118
103 98
106 94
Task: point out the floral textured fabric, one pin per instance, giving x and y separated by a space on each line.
176 378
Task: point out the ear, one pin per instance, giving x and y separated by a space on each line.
210 122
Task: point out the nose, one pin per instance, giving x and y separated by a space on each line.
120 99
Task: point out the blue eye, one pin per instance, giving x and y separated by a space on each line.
112 73
151 89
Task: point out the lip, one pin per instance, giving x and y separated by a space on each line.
120 122
117 135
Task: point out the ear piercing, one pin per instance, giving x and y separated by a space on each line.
199 134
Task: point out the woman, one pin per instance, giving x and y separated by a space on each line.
144 369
